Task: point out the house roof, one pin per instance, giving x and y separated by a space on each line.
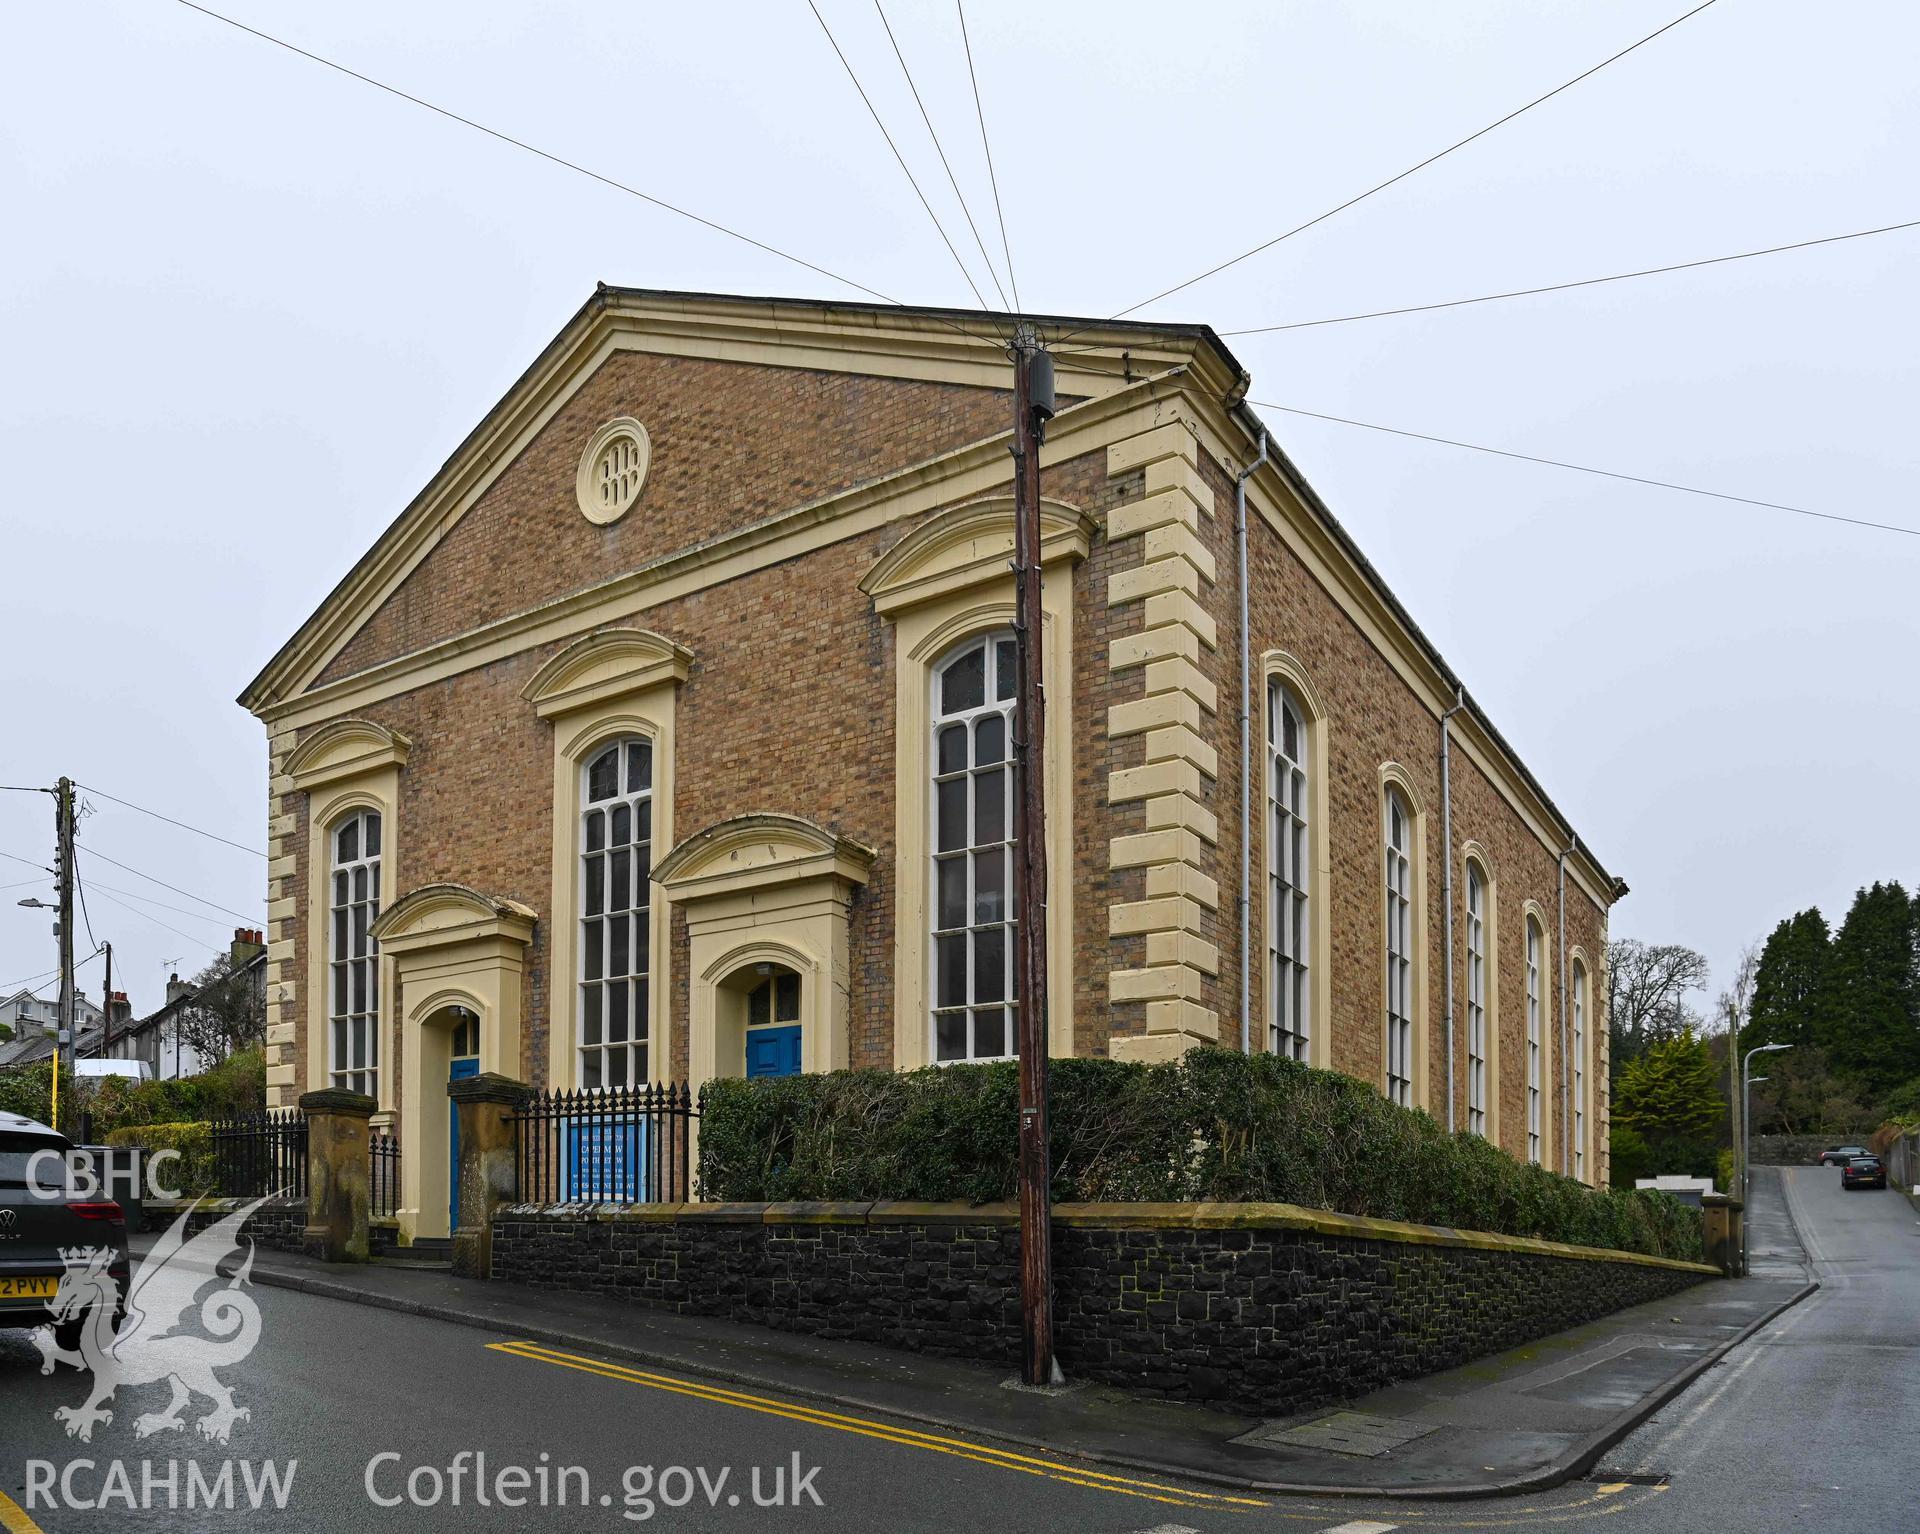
911 340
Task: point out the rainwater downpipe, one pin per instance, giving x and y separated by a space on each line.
1446 877
1566 1099
1246 751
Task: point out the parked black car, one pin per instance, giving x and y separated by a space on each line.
37 1221
1840 1155
1863 1172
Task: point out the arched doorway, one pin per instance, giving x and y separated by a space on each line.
765 1000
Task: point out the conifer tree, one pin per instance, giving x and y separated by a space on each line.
1791 998
1873 1025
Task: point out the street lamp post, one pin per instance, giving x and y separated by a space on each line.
1746 1137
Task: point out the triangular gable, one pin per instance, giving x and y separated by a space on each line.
933 347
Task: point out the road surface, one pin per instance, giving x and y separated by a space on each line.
388 1415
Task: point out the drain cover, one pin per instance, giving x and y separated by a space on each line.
1340 1432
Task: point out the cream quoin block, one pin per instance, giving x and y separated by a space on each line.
1177 850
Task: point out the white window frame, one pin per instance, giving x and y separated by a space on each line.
594 1060
1397 816
350 1023
1290 857
1476 999
1536 1103
968 935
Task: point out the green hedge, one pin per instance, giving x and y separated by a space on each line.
193 1174
1216 1125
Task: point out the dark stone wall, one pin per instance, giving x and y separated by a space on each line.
276 1224
1265 1321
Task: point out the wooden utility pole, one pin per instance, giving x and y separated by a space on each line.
63 873
1033 403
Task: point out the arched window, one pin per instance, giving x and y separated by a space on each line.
353 957
974 1006
1579 1070
616 881
1535 1101
1476 999
1288 1014
1399 913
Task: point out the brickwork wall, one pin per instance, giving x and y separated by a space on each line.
1261 1321
731 443
789 707
1375 717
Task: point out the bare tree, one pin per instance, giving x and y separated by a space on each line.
228 1011
1647 989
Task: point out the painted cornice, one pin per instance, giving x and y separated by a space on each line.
607 664
758 851
347 748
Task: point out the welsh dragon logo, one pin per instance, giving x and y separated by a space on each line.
150 1345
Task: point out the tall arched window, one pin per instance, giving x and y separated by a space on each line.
1476 999
1288 1014
1579 1069
616 881
353 957
1535 1102
974 1006
1399 913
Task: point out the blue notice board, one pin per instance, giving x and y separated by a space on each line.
606 1160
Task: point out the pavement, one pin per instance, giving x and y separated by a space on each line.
1533 1417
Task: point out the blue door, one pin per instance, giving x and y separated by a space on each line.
465 1063
774 1051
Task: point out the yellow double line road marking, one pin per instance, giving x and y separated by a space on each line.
13 1517
887 1432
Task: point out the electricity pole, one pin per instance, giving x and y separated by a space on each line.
63 874
1033 404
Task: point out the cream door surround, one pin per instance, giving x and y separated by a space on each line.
449 946
613 683
947 580
769 889
348 765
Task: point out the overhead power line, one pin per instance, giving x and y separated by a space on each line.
874 112
15 857
560 160
1006 248
212 921
137 873
939 149
156 921
1584 282
1498 122
197 831
1583 468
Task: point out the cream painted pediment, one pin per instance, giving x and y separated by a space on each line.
756 851
607 664
344 749
450 913
966 545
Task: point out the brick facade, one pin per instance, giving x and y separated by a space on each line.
788 706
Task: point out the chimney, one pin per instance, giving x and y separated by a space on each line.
246 945
119 1011
176 988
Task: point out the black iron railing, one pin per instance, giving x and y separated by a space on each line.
383 1174
623 1145
260 1154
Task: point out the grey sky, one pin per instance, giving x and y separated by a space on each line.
249 306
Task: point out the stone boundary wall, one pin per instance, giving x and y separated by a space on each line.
1800 1150
1264 1309
277 1224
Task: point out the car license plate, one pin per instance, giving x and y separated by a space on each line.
28 1288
